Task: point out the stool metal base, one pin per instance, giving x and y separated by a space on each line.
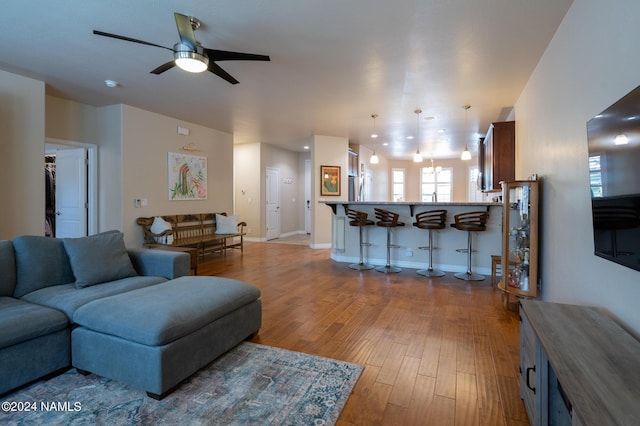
361 266
469 276
388 269
432 273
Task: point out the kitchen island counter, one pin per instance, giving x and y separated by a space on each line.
345 240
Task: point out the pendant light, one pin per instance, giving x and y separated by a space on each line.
466 154
417 157
374 158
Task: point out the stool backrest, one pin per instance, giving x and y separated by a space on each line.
387 217
432 217
471 221
356 217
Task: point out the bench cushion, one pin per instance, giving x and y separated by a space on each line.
163 313
22 321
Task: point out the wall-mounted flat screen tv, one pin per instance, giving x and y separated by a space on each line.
614 171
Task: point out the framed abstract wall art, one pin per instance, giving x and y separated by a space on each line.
187 177
329 180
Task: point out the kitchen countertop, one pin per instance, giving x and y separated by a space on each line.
411 204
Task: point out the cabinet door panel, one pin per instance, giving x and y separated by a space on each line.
527 367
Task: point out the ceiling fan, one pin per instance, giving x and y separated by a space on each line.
189 54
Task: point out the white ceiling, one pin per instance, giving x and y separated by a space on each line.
333 64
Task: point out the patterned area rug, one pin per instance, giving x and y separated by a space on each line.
249 385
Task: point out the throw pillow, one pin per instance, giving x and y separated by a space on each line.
226 224
98 258
158 226
40 262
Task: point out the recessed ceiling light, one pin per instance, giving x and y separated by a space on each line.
409 137
429 118
442 130
306 147
111 83
386 144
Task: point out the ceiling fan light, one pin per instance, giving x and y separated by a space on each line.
621 139
189 60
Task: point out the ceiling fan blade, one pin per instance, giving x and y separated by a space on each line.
119 37
223 55
215 68
187 36
164 67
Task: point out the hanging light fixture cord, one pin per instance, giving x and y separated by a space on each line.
466 154
374 136
417 157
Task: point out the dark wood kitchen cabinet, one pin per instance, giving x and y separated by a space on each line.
498 156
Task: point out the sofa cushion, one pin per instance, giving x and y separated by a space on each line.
98 258
40 262
163 313
67 298
7 268
22 321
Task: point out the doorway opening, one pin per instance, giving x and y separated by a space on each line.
71 189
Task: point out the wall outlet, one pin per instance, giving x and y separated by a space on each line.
409 252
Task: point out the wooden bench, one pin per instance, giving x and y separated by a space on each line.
193 230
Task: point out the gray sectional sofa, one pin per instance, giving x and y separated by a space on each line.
46 282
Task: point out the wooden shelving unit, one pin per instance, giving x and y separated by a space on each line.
520 255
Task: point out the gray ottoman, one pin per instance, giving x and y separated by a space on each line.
157 336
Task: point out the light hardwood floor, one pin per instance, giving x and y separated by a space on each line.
436 351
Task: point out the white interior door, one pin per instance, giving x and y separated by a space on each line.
71 193
307 196
273 203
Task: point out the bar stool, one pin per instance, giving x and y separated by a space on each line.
430 220
387 219
359 219
470 222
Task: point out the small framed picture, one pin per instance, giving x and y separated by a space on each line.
329 180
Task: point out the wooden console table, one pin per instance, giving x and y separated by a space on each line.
578 367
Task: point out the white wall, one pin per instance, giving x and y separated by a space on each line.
326 151
147 139
70 121
109 139
248 188
592 61
381 185
22 109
